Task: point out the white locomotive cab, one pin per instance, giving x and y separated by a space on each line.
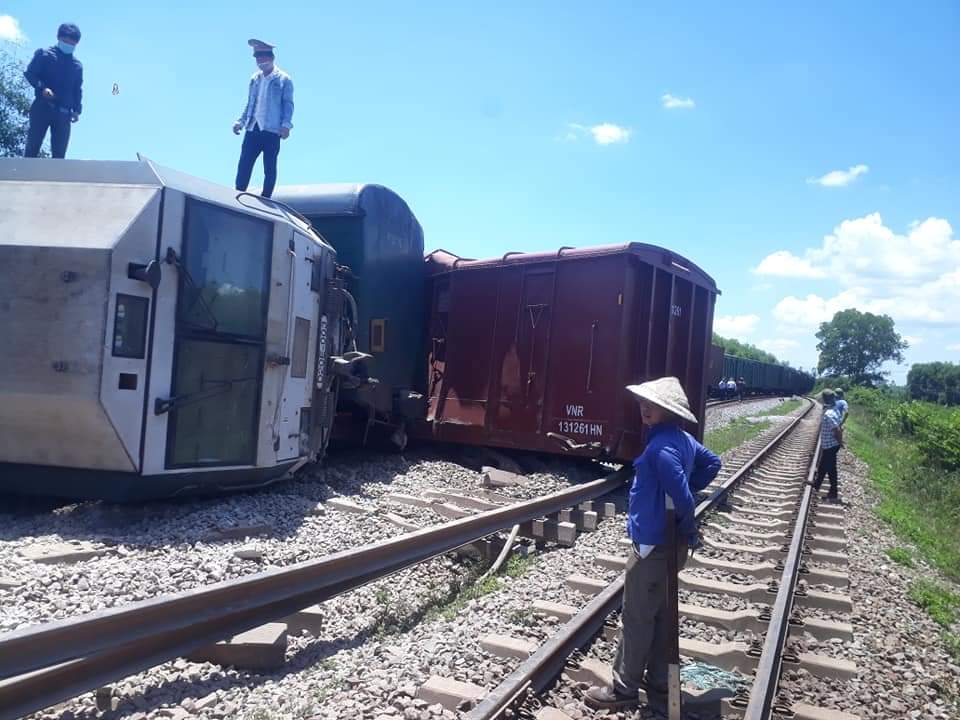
164 333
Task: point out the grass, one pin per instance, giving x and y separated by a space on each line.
912 499
952 642
942 604
920 505
446 601
734 433
900 555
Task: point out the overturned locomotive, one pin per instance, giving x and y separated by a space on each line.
163 334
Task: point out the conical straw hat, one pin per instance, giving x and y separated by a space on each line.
668 394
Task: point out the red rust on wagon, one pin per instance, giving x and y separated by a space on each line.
533 350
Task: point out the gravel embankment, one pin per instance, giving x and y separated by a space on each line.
165 547
903 669
721 415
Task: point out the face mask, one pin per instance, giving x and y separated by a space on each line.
66 48
265 66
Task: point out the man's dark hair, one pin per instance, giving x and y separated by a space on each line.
263 54
69 31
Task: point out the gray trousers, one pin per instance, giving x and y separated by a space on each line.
644 641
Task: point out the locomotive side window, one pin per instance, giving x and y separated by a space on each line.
130 326
301 344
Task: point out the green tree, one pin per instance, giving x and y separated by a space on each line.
15 99
744 350
937 382
856 344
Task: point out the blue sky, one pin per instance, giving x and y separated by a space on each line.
807 157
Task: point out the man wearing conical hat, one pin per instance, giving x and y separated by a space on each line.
673 464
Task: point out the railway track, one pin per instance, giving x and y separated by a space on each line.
68 657
768 493
52 662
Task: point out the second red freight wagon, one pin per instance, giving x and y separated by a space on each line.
533 351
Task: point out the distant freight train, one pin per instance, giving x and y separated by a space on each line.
760 378
166 335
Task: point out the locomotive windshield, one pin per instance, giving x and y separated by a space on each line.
220 332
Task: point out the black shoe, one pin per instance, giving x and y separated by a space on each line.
608 698
656 696
833 500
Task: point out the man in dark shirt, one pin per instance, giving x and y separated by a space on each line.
57 80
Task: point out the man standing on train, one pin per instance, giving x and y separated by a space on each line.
673 464
56 77
267 118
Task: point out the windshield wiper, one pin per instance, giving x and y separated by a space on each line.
219 387
174 259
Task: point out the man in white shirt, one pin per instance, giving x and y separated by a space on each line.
267 118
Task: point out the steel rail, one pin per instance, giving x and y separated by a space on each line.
763 692
55 661
539 670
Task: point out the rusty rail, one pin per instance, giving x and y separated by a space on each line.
539 670
48 663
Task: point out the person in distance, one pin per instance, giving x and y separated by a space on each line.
842 407
675 464
831 440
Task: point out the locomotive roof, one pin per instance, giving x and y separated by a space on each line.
40 181
337 198
440 261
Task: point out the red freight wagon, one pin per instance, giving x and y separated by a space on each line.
533 351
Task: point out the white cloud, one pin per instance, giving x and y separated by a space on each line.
10 30
603 134
784 263
671 102
801 314
863 252
913 276
840 178
607 134
735 326
778 346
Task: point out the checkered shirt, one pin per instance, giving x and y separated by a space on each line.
830 421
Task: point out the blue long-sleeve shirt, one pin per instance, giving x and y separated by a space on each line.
674 464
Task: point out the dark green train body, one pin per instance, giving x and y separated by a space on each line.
760 378
379 239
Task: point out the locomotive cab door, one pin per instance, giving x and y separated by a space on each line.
219 338
292 414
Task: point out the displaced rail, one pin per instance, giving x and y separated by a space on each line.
48 663
540 670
